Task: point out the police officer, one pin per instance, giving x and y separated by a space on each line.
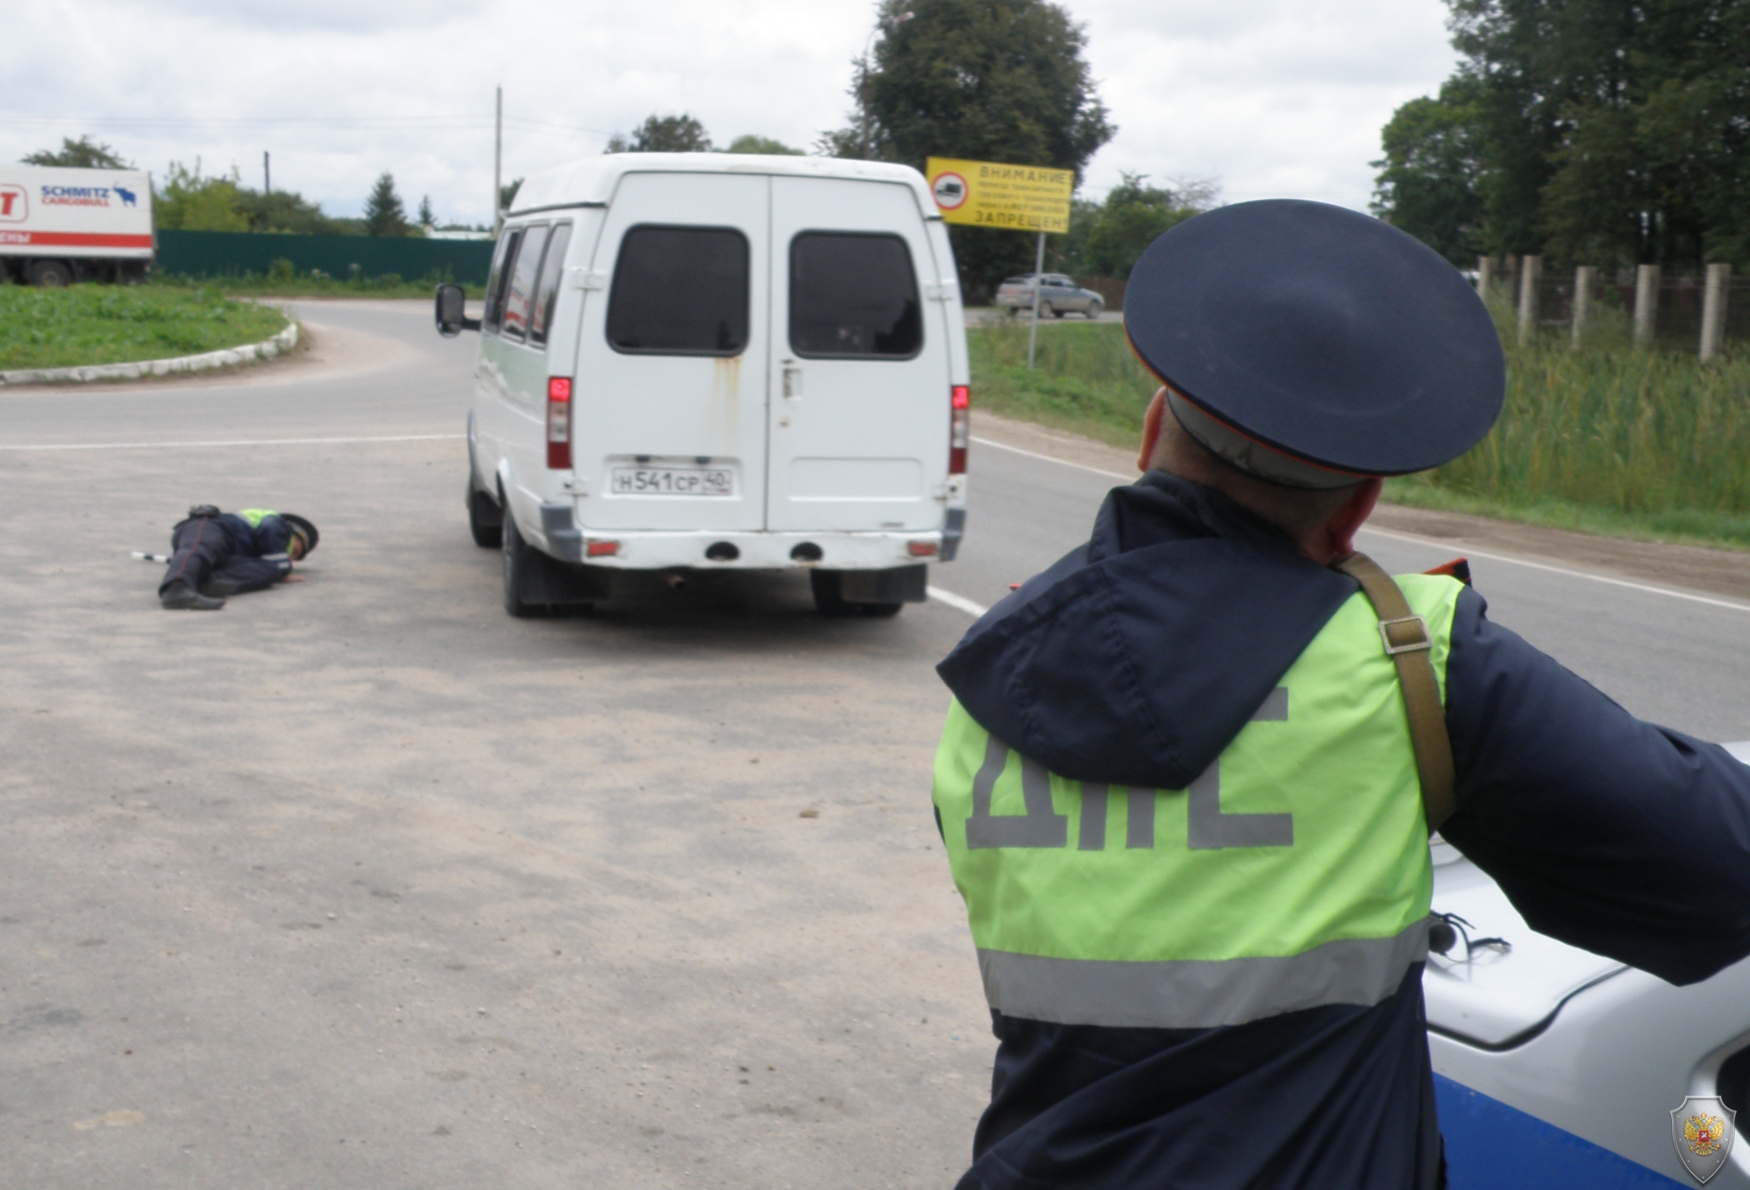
1189 772
219 554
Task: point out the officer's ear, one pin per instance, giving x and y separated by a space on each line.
1336 537
1151 429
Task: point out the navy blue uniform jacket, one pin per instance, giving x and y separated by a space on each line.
1134 661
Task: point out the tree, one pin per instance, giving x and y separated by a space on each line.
1597 131
663 134
287 211
83 153
427 217
1430 179
507 193
762 144
384 215
992 80
1130 219
191 202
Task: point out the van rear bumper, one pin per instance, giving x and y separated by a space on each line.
654 549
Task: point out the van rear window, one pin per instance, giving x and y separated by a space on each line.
853 296
680 291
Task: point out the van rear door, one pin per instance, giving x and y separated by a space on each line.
860 380
669 400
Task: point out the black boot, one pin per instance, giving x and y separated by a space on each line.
219 588
182 597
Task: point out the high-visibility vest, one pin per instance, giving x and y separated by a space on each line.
256 515
1293 872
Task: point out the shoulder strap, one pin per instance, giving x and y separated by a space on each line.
1407 641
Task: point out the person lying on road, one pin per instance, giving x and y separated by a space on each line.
219 554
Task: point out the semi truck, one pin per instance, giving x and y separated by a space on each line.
59 225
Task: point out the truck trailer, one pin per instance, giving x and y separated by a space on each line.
60 225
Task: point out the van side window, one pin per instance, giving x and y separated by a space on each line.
547 291
521 290
853 296
494 315
680 291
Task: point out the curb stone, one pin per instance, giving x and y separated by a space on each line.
230 356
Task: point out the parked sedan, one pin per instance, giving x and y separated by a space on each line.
1557 1068
1057 297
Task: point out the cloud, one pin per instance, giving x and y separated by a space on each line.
1272 96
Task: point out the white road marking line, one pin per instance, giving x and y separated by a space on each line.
957 602
1061 462
1452 544
237 442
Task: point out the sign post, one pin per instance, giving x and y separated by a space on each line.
1011 197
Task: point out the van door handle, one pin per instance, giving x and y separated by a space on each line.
792 380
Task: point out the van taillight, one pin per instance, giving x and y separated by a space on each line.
959 428
559 423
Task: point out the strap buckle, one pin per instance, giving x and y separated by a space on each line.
1403 642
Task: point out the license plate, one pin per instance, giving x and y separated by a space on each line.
673 481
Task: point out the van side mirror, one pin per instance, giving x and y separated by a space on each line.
451 311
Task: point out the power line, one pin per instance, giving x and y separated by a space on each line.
255 121
434 122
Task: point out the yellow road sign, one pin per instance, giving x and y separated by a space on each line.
986 194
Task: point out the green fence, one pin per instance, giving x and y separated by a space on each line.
232 254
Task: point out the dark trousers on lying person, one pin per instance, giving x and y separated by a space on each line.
206 556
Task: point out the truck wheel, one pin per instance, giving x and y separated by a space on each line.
518 557
485 521
50 274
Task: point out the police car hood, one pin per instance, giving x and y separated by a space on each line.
1138 657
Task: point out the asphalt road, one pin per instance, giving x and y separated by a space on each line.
361 882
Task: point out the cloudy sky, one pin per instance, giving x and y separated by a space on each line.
1271 97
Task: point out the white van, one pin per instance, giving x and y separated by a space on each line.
709 360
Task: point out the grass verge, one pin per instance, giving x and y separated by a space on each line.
1645 445
112 324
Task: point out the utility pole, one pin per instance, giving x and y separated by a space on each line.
1038 284
266 175
498 167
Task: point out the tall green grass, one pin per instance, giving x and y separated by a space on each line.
1654 441
1607 439
1086 378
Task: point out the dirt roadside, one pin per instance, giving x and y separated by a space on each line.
1695 568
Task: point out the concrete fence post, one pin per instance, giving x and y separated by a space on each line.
1585 277
1713 309
1485 276
1530 273
1646 304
